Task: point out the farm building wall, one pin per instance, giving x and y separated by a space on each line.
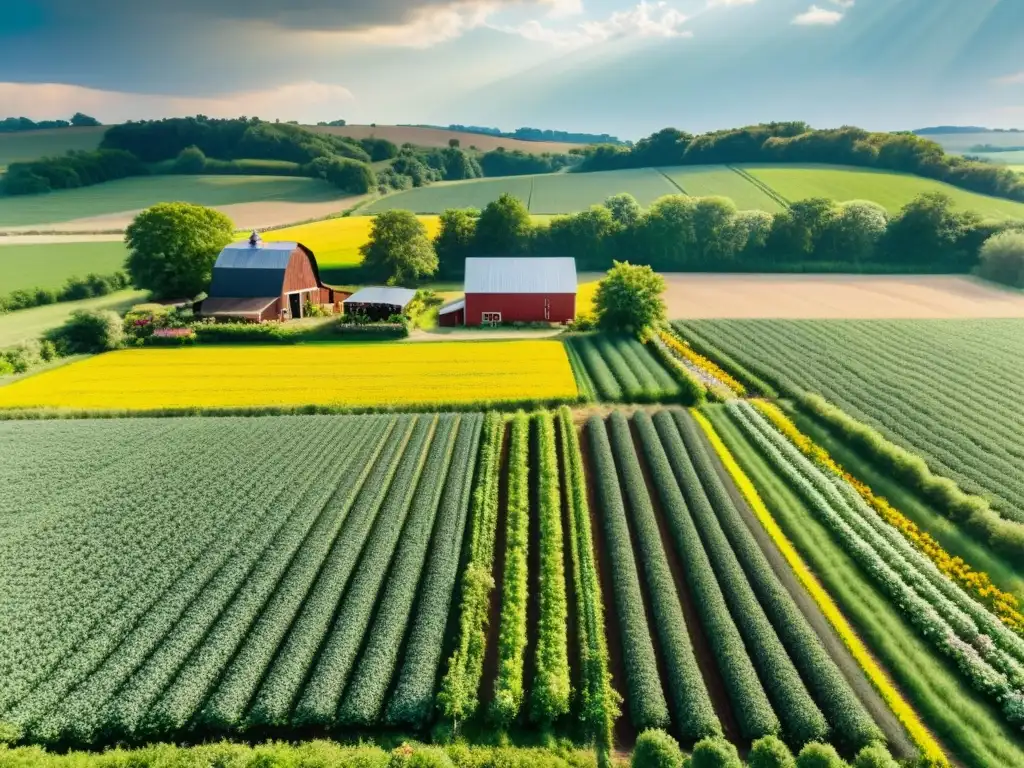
452 319
521 307
299 275
273 312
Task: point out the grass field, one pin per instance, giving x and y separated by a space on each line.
436 137
752 187
31 145
27 324
891 190
356 375
916 381
126 195
49 266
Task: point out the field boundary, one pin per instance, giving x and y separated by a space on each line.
673 182
760 185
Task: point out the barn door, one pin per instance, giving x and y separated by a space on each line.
295 305
547 308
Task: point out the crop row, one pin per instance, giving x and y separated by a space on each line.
986 651
621 369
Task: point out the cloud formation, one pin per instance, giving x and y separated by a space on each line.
645 20
718 3
1017 78
816 16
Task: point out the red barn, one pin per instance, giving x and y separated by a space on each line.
526 289
256 280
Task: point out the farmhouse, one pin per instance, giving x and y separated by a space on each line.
254 280
508 290
378 302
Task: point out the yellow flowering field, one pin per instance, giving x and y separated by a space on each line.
336 242
357 375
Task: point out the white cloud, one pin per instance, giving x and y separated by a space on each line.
815 16
844 3
643 20
309 101
717 3
1016 78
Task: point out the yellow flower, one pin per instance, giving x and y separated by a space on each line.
930 749
686 352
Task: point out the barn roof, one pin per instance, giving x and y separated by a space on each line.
379 294
232 307
244 270
455 306
521 275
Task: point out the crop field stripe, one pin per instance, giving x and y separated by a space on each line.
226 707
512 638
371 679
646 698
72 672
966 723
599 704
747 697
624 375
761 185
597 367
319 700
182 700
673 182
667 385
458 696
585 384
78 711
413 698
694 713
284 680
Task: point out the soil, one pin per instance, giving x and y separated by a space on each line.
706 660
899 743
710 296
490 667
625 731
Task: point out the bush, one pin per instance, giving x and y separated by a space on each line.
1002 259
656 749
190 160
816 755
6 369
714 752
770 752
874 756
629 298
88 332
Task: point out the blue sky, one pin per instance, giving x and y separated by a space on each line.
620 66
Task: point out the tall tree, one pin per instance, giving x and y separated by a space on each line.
455 241
504 227
625 210
399 250
629 298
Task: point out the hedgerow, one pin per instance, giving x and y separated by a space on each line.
457 697
413 697
599 702
508 687
695 715
852 724
327 679
748 698
551 684
647 705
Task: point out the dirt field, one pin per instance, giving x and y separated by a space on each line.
710 296
436 137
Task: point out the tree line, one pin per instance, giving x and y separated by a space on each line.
797 142
536 134
679 233
17 124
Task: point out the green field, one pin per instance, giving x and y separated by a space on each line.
27 324
133 194
752 187
31 145
50 265
891 190
918 381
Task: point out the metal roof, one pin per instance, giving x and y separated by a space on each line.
521 275
230 307
455 306
243 270
379 294
241 255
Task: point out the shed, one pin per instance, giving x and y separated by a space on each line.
379 302
453 314
520 289
256 280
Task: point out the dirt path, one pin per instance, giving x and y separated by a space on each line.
898 741
57 239
706 660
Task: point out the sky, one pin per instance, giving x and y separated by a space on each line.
625 67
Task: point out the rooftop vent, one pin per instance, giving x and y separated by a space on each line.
255 240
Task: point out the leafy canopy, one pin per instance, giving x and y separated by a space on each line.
399 250
172 248
629 298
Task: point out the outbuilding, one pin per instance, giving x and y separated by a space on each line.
522 289
256 280
453 314
379 302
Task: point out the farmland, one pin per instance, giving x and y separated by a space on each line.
917 381
251 201
30 145
611 368
50 265
218 593
334 375
27 324
752 187
437 137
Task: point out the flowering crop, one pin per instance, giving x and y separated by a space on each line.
345 375
708 370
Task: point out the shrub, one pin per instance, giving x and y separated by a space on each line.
714 752
817 755
190 160
88 332
6 369
629 298
874 756
407 756
1002 259
770 752
656 749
